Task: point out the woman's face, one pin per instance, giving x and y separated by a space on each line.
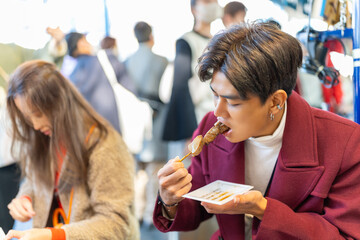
245 118
34 117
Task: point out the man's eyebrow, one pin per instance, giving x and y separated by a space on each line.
232 97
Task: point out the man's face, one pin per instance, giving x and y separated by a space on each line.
84 47
245 118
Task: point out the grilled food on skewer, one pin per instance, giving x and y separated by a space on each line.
199 141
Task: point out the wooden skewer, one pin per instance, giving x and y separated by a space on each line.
185 156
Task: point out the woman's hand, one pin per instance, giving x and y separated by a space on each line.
174 181
21 209
251 202
32 234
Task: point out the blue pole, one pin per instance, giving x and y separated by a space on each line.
323 8
356 55
107 22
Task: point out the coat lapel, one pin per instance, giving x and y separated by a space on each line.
226 161
297 170
42 202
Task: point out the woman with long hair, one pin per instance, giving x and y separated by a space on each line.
78 171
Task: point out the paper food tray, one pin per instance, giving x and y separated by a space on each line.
2 234
218 192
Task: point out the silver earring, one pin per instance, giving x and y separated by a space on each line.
271 116
279 107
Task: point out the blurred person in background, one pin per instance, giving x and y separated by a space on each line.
78 170
274 22
146 69
234 13
190 99
11 56
90 79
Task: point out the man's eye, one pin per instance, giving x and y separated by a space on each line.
233 104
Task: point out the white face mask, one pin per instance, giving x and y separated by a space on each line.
208 12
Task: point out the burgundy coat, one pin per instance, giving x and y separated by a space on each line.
315 189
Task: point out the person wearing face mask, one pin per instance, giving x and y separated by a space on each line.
91 80
190 99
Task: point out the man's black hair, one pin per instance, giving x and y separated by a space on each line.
142 31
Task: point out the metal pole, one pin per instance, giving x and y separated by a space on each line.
107 22
356 56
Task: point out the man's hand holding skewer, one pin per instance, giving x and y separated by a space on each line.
174 182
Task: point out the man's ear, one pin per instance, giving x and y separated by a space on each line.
151 40
278 100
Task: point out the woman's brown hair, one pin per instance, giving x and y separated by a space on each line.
48 91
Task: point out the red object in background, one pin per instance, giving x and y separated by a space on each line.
332 96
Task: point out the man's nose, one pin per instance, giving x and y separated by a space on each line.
220 107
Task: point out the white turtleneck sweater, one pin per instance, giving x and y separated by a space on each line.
261 154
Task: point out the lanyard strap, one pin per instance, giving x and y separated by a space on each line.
60 210
90 132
